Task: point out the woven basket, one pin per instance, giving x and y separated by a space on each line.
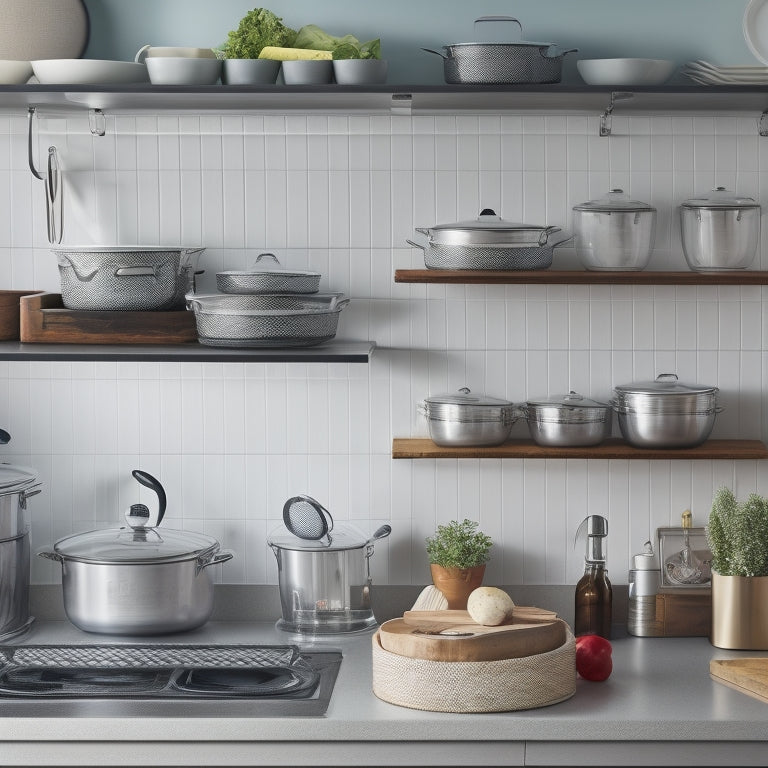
475 686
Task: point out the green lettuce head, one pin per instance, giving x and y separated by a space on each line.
258 29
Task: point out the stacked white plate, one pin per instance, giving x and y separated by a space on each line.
705 73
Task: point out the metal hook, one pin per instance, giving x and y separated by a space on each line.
35 173
605 118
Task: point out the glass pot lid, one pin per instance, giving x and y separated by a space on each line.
571 400
269 264
489 228
465 396
343 536
720 199
135 545
14 478
664 384
615 201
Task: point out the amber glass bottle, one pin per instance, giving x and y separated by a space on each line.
594 596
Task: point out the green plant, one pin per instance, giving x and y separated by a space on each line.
458 545
257 29
737 534
346 47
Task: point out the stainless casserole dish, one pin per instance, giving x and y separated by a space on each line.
464 419
488 242
568 420
135 278
665 413
137 580
266 320
506 62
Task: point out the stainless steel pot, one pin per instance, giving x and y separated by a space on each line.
614 232
136 580
665 413
126 277
568 420
464 419
488 242
719 231
325 585
507 62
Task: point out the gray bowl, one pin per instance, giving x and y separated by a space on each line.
360 71
250 71
308 72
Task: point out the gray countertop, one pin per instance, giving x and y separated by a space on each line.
660 700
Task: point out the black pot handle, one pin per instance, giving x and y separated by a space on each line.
5 437
145 479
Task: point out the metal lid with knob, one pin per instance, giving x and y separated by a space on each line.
615 201
720 199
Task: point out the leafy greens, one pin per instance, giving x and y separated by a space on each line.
258 29
346 47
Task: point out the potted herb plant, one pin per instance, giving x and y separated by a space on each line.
737 534
457 556
258 29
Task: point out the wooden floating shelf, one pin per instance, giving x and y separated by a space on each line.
424 448
578 277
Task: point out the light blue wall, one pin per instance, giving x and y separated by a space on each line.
675 29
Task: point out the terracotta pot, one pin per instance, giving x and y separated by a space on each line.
457 583
740 612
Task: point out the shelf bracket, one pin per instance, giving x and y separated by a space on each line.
401 104
605 118
97 122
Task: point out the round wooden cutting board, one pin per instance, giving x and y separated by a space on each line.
42 29
471 642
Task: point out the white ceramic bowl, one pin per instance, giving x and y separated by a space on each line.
625 71
14 72
360 71
250 71
151 51
76 71
172 70
308 72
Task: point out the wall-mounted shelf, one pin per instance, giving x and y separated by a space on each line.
424 448
578 277
417 99
330 352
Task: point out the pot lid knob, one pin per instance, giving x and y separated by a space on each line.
139 516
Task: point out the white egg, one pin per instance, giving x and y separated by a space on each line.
490 606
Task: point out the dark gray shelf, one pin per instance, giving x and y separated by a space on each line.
419 98
329 352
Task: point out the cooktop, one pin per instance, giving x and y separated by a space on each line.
273 680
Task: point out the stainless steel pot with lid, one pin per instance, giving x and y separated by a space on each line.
464 418
719 230
568 420
138 579
665 413
614 232
325 584
502 62
488 242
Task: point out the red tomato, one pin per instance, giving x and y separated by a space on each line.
593 657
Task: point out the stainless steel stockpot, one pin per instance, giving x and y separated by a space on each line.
136 580
488 242
465 419
325 584
568 420
719 231
665 413
614 232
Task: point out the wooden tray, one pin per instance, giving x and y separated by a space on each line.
748 676
453 636
10 313
44 319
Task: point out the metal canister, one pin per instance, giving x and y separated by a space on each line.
644 580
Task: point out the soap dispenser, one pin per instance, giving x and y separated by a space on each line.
594 596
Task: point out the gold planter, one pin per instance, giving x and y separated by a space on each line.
740 612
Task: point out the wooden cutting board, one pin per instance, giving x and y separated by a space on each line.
455 637
748 676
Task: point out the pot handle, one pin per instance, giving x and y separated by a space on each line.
49 554
5 437
141 54
545 49
437 53
415 244
136 271
218 557
33 490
